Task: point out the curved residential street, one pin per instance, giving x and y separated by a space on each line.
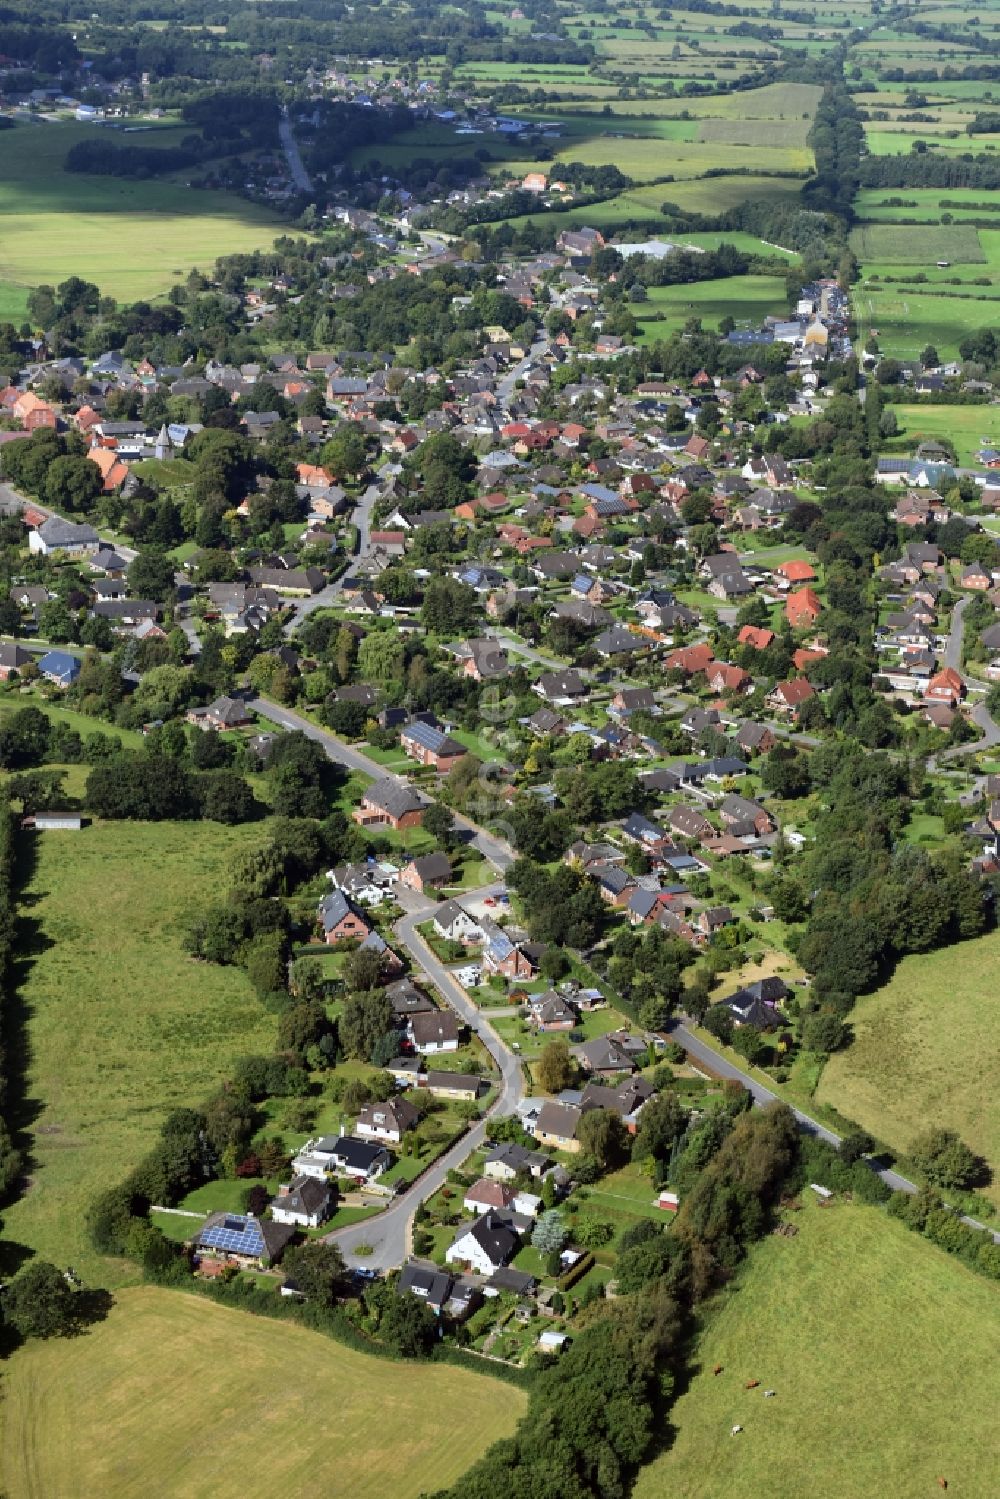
979 715
389 1234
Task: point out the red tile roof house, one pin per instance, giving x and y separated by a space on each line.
340 920
802 608
796 572
690 659
758 639
788 696
725 678
946 687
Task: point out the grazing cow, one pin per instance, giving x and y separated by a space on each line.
768 1394
736 1431
942 1483
717 1369
751 1384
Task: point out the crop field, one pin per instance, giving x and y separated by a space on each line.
761 133
925 1049
877 1346
104 962
746 299
132 238
968 427
917 244
177 1397
925 203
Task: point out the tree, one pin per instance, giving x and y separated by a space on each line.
151 576
823 1032
225 796
267 964
857 1143
362 970
366 1018
439 821
318 1270
603 1137
40 1303
661 1123
72 483
550 1232
945 1160
555 1068
380 656
402 1322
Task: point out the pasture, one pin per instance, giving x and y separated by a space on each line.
121 1026
878 1347
925 1050
918 244
132 238
177 1397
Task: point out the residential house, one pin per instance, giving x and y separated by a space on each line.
306 1203
59 667
508 1161
389 803
485 1245
58 535
341 920
788 696
453 922
434 1031
463 1087
431 746
428 872
244 1239
13 659
386 1122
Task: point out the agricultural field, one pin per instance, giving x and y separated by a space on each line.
918 244
853 1322
132 238
230 1393
747 299
968 427
104 913
925 1050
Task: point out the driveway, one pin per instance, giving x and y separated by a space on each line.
389 1235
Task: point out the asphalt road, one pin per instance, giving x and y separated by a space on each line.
496 850
389 1235
505 387
300 176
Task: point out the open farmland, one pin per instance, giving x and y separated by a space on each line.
925 1050
133 238
106 908
918 244
908 318
853 1323
174 1396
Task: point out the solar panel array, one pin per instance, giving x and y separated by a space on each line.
233 1235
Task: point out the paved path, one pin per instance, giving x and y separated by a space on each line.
390 1233
520 371
289 145
495 849
722 1067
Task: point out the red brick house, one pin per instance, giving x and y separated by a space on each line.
429 872
389 803
340 920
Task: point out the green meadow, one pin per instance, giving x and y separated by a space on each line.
133 238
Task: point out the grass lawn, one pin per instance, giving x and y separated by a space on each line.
121 1025
746 299
13 701
925 1052
85 1418
132 238
908 319
877 1345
